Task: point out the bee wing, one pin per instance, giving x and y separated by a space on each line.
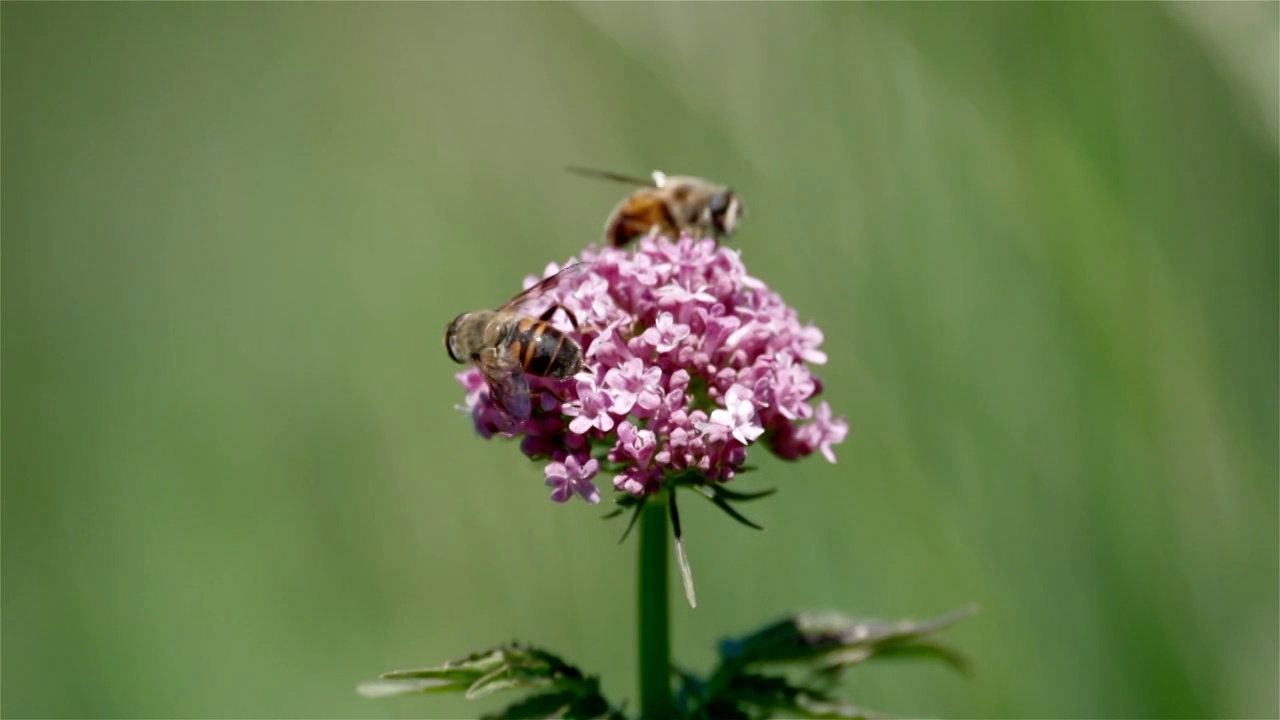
506 382
655 181
537 291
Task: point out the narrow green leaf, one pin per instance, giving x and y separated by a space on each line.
836 628
623 501
686 572
929 651
736 496
721 503
481 661
635 515
389 688
813 707
509 677
465 677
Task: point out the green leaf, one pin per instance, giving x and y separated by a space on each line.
623 501
691 691
546 705
736 496
767 696
635 515
389 688
508 677
715 494
814 706
505 667
688 477
824 643
686 572
469 666
593 706
566 704
831 639
921 649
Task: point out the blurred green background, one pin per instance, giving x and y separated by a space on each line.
1041 240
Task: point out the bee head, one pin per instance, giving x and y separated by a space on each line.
725 210
451 338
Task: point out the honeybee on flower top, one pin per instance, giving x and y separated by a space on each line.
507 344
669 205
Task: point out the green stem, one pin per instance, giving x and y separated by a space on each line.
655 612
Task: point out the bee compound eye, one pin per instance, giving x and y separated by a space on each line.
450 338
725 209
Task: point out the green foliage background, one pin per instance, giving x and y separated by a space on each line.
1041 239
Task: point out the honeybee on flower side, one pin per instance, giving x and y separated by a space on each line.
669 205
506 344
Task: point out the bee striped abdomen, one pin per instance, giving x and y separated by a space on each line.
544 350
636 215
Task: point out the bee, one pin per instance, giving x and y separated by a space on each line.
507 345
669 205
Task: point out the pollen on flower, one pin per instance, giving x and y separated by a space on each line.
688 362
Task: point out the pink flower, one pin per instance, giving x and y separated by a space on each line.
634 387
790 385
573 476
637 481
806 342
738 417
681 294
591 409
716 329
473 382
610 348
635 445
666 333
689 362
824 432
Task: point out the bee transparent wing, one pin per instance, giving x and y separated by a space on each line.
537 291
655 181
506 382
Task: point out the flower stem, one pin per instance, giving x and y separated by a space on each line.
655 612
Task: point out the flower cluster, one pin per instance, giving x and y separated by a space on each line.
688 361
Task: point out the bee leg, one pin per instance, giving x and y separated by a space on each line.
546 316
573 319
552 393
540 391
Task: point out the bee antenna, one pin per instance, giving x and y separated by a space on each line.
608 175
